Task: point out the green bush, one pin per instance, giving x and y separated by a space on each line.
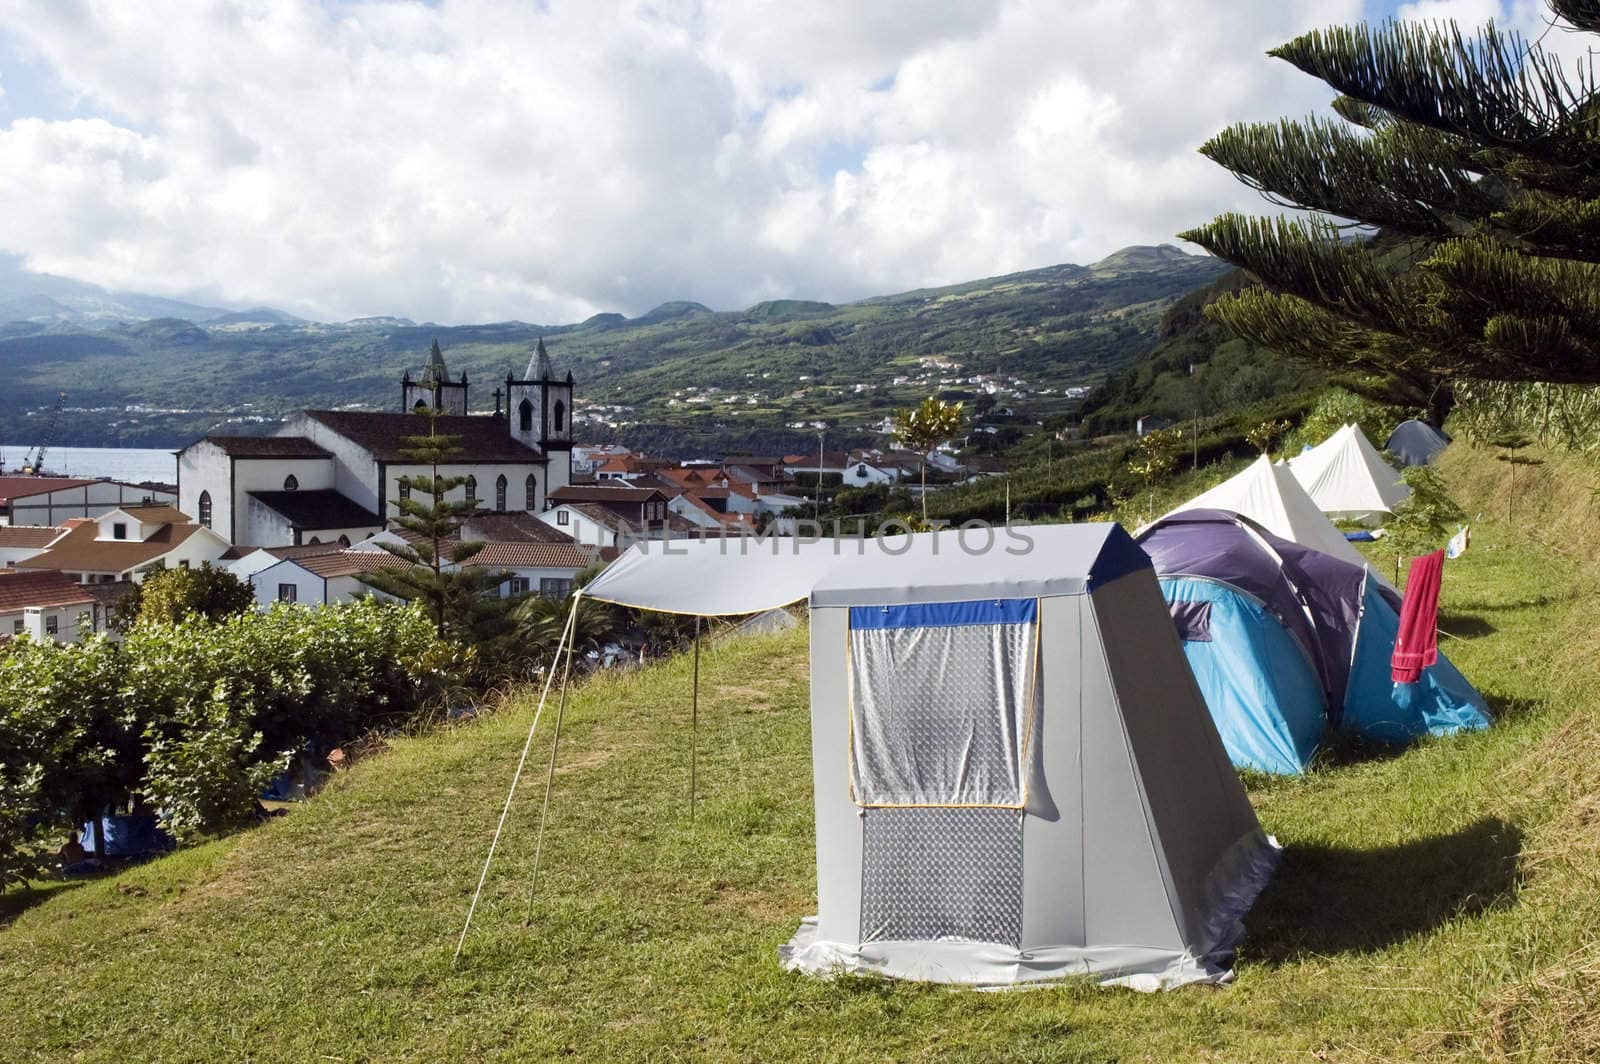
171 595
194 717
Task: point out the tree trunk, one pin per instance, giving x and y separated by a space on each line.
924 489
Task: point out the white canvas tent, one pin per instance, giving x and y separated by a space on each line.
1015 776
1347 477
1271 497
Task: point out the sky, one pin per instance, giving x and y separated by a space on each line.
486 160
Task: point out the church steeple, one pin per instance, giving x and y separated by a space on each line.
538 364
435 389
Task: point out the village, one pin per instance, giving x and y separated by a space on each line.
302 516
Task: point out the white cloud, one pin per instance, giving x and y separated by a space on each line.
488 159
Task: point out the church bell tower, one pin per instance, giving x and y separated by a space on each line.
539 407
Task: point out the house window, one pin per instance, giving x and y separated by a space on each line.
500 486
561 517
530 492
51 624
119 530
291 483
286 592
560 415
183 563
472 489
525 416
205 508
555 587
519 585
16 627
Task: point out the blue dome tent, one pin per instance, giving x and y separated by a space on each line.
1287 643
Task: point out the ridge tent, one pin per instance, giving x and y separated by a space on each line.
1270 496
1416 443
1347 477
1287 643
1015 777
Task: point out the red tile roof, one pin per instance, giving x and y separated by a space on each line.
267 446
80 552
18 591
533 556
350 562
29 535
601 493
481 438
22 487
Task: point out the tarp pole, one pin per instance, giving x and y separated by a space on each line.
550 776
566 635
694 719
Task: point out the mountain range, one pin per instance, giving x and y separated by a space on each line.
143 370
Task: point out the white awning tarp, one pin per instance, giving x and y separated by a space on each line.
739 575
1347 477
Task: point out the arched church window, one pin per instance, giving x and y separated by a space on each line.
291 483
205 508
316 541
525 415
500 493
344 541
472 489
420 404
530 493
560 417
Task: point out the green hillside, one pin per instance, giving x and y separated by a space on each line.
681 377
1439 904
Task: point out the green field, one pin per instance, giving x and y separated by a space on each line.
1439 904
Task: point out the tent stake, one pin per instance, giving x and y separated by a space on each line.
550 776
694 720
527 745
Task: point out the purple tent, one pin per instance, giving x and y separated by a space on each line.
1315 596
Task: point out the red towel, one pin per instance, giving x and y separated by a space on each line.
1417 645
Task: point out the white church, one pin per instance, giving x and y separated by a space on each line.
330 476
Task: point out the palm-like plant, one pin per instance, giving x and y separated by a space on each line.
922 428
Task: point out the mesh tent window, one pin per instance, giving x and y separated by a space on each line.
941 703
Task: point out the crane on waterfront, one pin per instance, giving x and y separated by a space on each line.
33 462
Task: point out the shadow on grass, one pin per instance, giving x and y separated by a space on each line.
13 903
1328 899
1465 625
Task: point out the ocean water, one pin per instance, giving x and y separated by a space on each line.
134 464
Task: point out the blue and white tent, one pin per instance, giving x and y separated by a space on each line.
1288 643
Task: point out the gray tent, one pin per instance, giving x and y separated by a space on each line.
1416 443
1016 778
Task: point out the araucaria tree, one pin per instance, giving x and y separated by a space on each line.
924 427
460 600
1474 160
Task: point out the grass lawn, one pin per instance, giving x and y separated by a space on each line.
1443 903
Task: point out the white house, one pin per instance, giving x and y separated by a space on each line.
46 605
863 474
321 579
332 476
20 542
52 500
547 569
126 544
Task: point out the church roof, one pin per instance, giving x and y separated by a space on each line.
318 508
435 370
267 447
482 439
